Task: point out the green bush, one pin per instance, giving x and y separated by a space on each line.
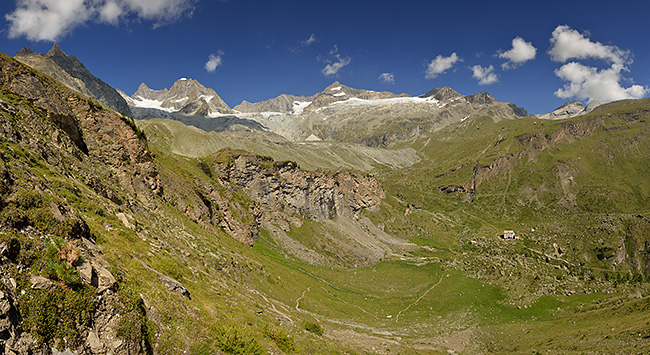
314 328
58 267
57 314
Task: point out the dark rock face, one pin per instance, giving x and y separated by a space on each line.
70 71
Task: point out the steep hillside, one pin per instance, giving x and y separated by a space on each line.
70 71
575 190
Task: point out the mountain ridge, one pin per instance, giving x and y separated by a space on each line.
72 72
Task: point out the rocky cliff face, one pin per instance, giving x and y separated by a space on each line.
313 195
70 71
277 192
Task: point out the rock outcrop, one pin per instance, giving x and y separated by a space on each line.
70 71
313 195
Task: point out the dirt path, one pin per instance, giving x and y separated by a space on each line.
301 297
418 300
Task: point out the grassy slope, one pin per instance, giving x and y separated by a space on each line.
184 140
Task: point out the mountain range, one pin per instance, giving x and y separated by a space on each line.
348 221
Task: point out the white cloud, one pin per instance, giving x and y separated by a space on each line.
333 68
214 60
520 53
589 83
110 12
484 75
46 20
441 64
387 78
49 20
567 43
309 41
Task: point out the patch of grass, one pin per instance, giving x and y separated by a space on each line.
280 337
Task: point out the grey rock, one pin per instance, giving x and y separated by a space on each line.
94 342
105 279
85 271
173 285
41 283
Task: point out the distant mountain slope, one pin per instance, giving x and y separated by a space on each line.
71 72
570 109
377 119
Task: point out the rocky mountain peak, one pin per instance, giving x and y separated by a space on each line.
481 98
184 92
71 72
442 94
570 109
56 50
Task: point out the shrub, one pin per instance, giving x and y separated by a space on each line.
57 314
59 257
314 328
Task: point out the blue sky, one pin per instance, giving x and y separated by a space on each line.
255 50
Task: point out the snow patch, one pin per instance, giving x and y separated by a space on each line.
339 94
182 79
336 88
207 98
299 106
354 101
140 101
312 138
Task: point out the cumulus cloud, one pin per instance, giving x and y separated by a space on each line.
591 83
484 75
387 78
49 20
441 64
520 53
214 60
46 19
334 67
567 43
